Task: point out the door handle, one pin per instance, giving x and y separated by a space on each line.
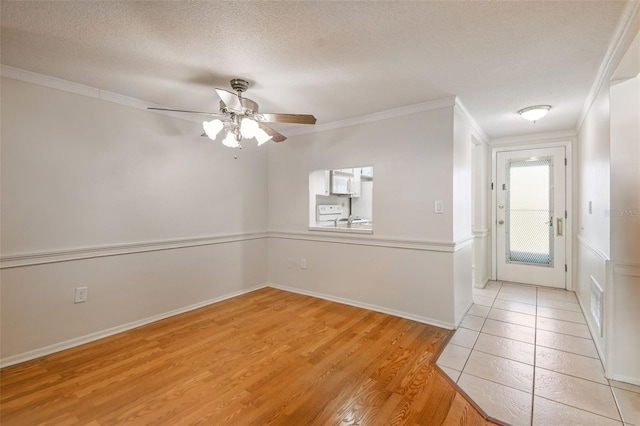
559 227
501 222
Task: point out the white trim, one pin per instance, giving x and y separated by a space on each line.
345 230
611 58
592 248
546 142
626 379
465 242
38 258
481 233
47 350
465 313
539 138
91 92
44 257
357 304
484 283
360 239
376 116
626 269
48 81
471 121
615 269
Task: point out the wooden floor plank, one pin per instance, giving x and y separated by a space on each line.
267 357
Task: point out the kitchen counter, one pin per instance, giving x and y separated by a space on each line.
366 228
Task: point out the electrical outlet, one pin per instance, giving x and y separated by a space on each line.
81 294
303 263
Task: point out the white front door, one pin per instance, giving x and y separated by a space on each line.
530 215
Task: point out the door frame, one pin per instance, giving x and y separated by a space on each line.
568 226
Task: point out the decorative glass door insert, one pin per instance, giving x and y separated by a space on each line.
529 211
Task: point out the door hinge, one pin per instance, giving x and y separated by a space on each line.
565 267
565 214
492 186
504 186
565 161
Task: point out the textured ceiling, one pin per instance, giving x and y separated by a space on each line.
333 59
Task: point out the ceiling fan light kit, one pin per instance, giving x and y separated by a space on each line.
534 113
240 119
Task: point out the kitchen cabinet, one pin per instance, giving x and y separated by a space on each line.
319 182
366 173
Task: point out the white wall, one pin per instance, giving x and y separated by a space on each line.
608 250
592 249
156 220
181 222
625 176
481 208
623 341
463 143
410 155
407 266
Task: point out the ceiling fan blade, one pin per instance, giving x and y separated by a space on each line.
230 100
288 118
275 136
212 114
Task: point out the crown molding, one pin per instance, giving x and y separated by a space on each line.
88 91
104 95
562 135
621 38
471 121
376 116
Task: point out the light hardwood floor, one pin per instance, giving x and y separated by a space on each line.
267 357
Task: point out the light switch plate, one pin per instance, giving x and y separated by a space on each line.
438 207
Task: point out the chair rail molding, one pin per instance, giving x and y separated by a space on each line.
38 258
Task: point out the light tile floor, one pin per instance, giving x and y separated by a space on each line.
525 355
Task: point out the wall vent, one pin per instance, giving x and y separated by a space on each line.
596 304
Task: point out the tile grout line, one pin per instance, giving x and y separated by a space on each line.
537 314
479 332
535 354
586 411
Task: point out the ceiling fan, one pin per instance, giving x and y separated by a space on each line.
241 119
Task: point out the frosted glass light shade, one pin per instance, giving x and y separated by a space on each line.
212 128
248 128
534 113
261 136
230 140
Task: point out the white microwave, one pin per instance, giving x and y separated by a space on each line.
340 185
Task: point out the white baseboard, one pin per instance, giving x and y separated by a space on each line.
465 314
625 379
358 304
483 284
48 350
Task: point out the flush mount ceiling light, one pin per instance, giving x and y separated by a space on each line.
240 119
534 113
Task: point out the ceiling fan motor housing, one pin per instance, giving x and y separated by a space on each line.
239 85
